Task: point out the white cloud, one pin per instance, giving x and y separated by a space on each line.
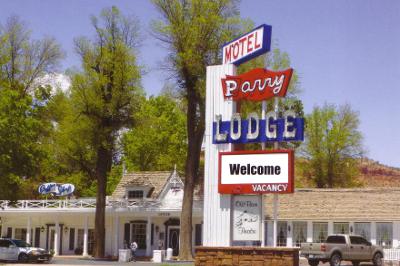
57 81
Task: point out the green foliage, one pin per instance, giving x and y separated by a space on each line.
194 31
158 141
23 124
274 60
333 142
105 97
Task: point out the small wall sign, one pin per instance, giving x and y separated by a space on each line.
246 218
247 46
56 189
256 172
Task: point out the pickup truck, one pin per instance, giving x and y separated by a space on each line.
342 247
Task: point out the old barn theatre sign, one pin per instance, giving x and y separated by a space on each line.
256 172
246 218
247 46
257 85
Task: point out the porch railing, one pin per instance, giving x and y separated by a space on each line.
391 254
76 204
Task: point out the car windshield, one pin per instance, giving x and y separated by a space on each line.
21 244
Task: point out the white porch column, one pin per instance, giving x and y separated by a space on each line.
373 233
396 234
85 237
351 226
28 231
3 229
309 231
13 232
148 237
330 228
76 237
289 241
116 234
217 207
57 238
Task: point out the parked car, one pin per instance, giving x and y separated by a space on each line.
342 247
19 250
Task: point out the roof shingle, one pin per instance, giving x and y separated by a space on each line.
153 179
358 204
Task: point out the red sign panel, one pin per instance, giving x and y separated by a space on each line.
256 172
257 85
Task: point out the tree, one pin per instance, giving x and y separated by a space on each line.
22 104
158 140
332 144
105 96
194 32
26 59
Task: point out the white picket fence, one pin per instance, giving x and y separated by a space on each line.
391 254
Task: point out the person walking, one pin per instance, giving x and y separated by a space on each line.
133 247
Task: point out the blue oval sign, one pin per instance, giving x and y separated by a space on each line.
56 189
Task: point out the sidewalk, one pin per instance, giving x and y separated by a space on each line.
79 260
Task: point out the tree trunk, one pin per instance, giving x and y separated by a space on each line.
195 129
102 165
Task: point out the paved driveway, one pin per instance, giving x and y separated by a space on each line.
68 261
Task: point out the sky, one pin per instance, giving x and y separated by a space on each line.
344 51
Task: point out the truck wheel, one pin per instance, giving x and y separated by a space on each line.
377 260
313 262
335 260
23 257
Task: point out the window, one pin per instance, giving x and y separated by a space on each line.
384 234
363 229
320 232
4 243
299 233
135 194
197 236
80 239
20 233
336 240
341 228
282 234
139 234
356 240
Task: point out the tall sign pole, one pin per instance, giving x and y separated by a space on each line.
217 207
235 181
276 199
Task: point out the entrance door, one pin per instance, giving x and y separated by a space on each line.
173 241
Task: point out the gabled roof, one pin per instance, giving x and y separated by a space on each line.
173 179
155 180
358 204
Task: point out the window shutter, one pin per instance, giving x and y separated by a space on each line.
198 235
37 237
126 234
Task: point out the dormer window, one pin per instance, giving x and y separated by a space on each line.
135 194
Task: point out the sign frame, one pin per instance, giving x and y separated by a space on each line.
266 45
247 187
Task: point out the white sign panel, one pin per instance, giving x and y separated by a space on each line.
247 218
247 46
256 172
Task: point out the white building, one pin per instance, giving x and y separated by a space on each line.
312 214
145 207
